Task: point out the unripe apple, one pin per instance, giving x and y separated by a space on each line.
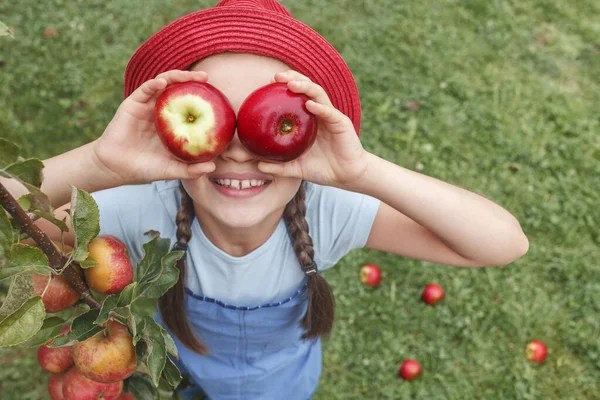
194 120
432 294
536 351
59 296
109 356
409 370
274 124
113 270
55 386
76 386
55 359
370 275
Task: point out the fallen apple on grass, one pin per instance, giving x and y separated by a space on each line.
409 370
432 294
113 270
194 121
109 356
370 275
536 351
274 124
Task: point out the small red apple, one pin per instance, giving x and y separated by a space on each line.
55 386
409 370
536 351
113 270
194 120
432 294
59 296
55 359
77 387
274 124
370 275
109 356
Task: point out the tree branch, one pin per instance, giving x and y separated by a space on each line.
71 272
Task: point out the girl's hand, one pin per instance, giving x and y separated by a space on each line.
337 157
130 149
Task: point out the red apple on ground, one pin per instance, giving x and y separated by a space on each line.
370 275
109 356
194 120
432 294
409 370
274 124
113 270
536 351
55 386
78 387
57 359
59 296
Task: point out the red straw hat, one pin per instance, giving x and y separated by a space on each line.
262 27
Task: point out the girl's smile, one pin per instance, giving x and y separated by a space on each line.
240 185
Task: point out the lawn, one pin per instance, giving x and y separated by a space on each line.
500 97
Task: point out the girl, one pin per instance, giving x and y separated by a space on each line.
251 305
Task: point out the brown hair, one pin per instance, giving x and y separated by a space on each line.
318 320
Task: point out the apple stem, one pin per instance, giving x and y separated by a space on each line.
286 127
55 258
191 118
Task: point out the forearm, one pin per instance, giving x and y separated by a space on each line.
473 226
78 167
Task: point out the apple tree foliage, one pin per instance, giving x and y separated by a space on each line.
23 318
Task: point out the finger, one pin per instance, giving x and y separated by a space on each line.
289 169
337 121
153 86
147 90
178 76
311 89
289 76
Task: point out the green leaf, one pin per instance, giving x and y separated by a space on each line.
131 324
82 328
109 304
39 205
6 236
141 387
50 329
155 354
88 263
171 373
169 342
128 294
25 258
9 152
85 220
19 291
5 31
23 324
150 267
168 277
28 171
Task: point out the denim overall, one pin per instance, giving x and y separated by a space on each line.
255 352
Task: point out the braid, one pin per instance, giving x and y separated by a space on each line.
318 320
172 303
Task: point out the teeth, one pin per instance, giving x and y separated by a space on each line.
240 184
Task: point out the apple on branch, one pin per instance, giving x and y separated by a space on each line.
194 121
274 124
55 386
77 386
55 359
113 270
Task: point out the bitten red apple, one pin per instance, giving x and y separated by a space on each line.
432 294
409 370
77 387
57 359
113 270
55 386
194 120
274 124
370 275
536 351
109 356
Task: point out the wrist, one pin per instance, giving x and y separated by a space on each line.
363 182
106 177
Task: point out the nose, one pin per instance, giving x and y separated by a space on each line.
235 151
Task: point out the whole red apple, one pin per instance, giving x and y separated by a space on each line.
59 296
432 294
113 270
57 359
55 386
109 356
274 124
194 120
536 351
409 370
78 387
370 275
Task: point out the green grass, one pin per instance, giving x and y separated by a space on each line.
509 95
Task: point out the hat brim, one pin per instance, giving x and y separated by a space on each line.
247 30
